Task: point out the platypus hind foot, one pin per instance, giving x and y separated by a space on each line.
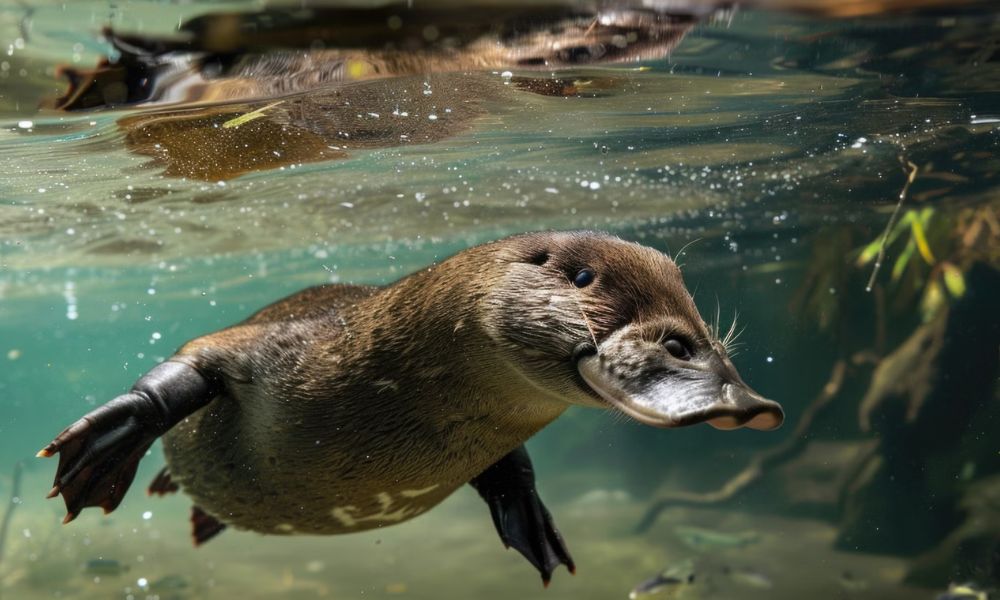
99 454
204 526
521 519
162 484
525 525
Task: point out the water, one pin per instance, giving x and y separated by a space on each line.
772 147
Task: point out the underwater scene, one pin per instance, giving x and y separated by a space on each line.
813 411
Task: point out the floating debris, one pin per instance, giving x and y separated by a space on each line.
250 116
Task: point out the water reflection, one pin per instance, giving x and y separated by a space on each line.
239 56
220 142
316 105
763 109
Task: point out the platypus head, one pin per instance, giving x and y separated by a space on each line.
599 321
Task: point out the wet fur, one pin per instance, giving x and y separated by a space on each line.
349 407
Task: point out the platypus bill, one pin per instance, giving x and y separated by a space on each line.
344 407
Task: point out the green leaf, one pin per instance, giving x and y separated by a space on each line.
954 280
917 229
925 216
932 301
903 260
870 252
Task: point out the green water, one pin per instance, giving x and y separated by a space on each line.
772 147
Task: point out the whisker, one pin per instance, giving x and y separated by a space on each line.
683 248
613 415
664 333
586 320
718 315
731 335
731 339
738 334
734 349
621 417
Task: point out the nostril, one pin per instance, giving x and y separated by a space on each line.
539 258
677 349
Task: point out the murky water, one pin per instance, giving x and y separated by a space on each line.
773 147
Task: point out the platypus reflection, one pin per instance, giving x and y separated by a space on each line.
246 56
344 408
263 105
224 141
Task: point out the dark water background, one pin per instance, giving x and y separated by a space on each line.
776 143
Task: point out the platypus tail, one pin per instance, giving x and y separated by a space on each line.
99 454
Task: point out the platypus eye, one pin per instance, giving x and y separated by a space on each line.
677 349
584 277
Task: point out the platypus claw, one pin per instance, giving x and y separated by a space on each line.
98 456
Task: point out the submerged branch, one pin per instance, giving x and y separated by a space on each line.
765 459
910 177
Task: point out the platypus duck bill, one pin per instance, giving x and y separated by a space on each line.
663 391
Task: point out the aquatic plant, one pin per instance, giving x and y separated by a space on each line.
897 367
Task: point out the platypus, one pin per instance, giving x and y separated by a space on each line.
347 407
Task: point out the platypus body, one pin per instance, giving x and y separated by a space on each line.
342 408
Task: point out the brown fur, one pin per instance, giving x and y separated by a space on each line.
350 407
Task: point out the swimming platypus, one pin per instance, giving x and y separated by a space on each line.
346 407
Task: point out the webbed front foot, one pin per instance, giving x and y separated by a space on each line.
99 454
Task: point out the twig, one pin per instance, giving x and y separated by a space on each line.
784 451
892 221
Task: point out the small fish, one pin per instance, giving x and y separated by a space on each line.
749 578
104 566
669 580
169 583
963 591
170 587
701 539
